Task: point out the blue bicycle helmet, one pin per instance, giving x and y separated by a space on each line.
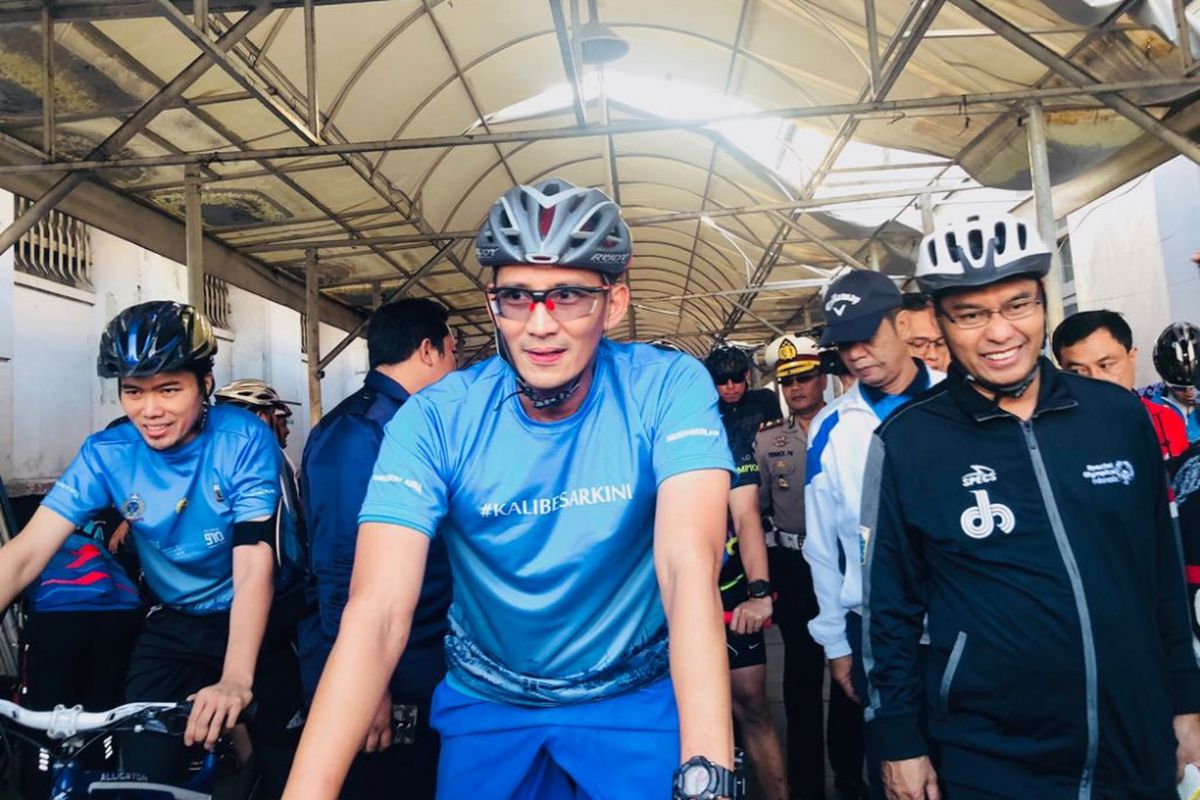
159 336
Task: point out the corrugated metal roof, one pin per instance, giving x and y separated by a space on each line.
410 73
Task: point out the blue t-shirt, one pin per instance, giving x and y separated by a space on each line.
550 526
182 503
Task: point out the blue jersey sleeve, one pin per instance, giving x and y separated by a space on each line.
81 492
254 492
688 434
408 486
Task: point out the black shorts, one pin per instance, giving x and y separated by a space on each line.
745 649
178 654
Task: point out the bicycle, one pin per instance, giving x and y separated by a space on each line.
73 730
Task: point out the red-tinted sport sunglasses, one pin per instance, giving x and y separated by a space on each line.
562 302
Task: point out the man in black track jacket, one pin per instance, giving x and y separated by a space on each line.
1023 512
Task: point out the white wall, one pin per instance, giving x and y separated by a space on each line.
7 328
1132 252
50 395
1177 184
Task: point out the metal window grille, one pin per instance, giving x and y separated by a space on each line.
216 301
57 248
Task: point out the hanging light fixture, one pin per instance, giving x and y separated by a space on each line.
599 44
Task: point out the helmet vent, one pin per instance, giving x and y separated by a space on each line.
933 256
975 243
1021 237
1001 238
952 245
545 220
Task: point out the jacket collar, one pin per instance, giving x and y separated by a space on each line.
920 382
1053 393
381 383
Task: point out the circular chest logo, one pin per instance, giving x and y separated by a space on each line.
134 508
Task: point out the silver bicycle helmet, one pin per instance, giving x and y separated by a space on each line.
252 392
556 224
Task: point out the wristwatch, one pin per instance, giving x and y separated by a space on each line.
700 779
759 589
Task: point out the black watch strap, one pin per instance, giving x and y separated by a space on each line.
758 589
721 783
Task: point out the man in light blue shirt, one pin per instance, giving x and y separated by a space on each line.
580 487
199 486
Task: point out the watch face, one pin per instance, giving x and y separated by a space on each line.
695 780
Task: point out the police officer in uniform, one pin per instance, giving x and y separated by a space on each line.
780 448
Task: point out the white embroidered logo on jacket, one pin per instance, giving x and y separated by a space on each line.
980 520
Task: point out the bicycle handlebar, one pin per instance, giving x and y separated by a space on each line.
64 723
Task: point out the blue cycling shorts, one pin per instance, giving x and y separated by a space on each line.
621 748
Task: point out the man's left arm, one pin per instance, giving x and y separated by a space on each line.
689 537
216 708
254 496
752 613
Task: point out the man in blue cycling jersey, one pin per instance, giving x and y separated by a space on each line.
198 486
580 486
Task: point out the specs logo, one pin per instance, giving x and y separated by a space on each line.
978 476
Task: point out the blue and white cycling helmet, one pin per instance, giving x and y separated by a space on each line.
555 223
979 251
159 336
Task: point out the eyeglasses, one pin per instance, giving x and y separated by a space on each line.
729 377
1013 310
923 343
805 378
564 303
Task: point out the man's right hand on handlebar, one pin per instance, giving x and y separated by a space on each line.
215 710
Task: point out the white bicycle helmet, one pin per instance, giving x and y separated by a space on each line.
252 392
979 251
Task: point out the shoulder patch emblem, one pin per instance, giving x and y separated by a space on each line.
769 424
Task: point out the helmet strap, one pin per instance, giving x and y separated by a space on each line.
1009 389
206 384
551 398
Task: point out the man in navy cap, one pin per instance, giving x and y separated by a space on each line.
860 313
